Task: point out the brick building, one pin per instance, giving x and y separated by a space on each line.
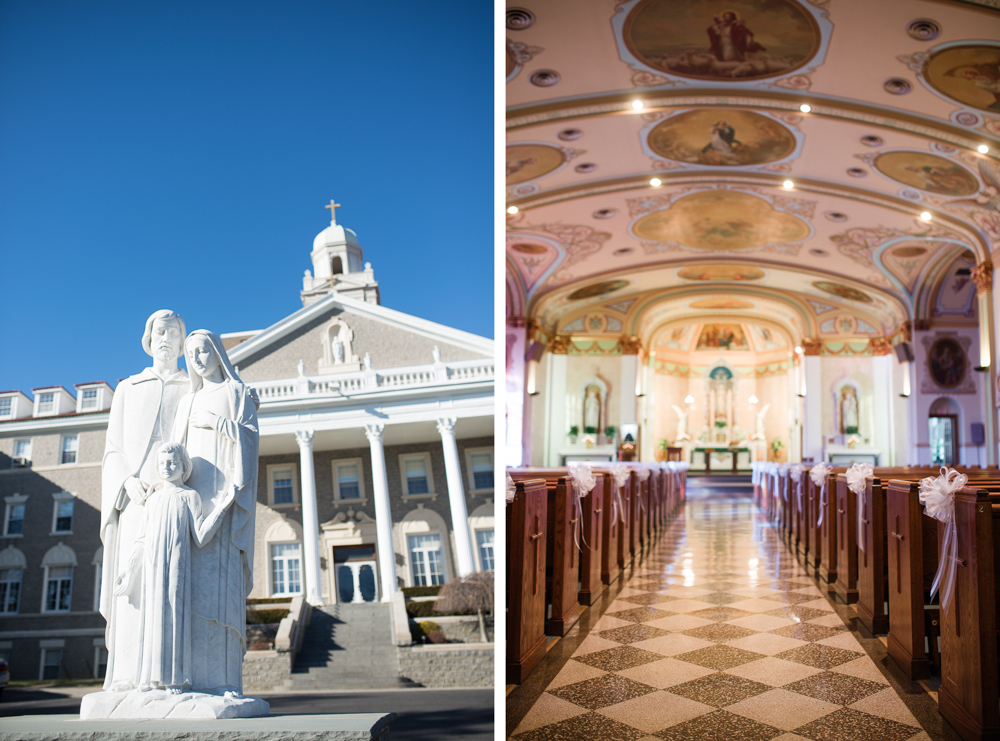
376 467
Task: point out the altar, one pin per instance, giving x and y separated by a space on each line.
708 457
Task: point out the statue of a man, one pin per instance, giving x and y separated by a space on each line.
142 414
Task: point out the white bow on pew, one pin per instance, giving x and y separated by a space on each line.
620 473
937 494
820 475
796 470
856 476
583 480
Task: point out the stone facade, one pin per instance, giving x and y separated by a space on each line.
447 665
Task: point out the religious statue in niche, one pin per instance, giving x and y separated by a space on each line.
592 409
179 490
338 349
848 410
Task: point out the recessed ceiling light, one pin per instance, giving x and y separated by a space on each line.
655 182
638 105
788 185
805 108
983 149
689 399
512 210
925 215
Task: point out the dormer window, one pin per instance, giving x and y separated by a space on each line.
89 399
46 403
6 405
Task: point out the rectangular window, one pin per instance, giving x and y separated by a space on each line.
63 517
415 471
282 484
70 444
22 449
46 403
15 520
481 465
10 590
88 399
58 588
286 568
427 560
6 406
51 663
484 539
348 477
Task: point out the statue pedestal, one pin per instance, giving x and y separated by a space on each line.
163 704
343 727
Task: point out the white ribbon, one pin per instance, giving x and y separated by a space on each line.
856 476
620 473
796 471
509 494
642 472
582 477
820 475
937 494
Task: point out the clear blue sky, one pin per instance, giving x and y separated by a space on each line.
179 154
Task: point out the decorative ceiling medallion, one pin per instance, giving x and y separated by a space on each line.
721 220
923 29
585 167
530 161
721 304
897 86
669 35
910 195
842 291
927 172
715 271
525 189
518 55
519 19
597 289
872 141
528 248
857 172
818 252
568 135
732 138
967 118
544 78
605 213
967 73
835 216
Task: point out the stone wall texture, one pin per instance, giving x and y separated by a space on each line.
447 666
265 670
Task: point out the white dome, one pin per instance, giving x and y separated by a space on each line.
334 234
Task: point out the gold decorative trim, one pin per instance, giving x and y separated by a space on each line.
982 275
559 345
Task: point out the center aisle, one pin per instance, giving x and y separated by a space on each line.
719 633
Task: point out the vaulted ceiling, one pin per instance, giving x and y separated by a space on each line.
838 220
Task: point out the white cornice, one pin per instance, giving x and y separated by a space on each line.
55 424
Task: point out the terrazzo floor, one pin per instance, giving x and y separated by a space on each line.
718 633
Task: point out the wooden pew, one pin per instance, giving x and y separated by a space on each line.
526 537
912 563
800 517
969 697
591 559
827 539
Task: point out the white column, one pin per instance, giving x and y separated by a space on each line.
812 417
383 515
627 384
556 394
310 521
884 437
456 497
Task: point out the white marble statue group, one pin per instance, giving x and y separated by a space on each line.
179 488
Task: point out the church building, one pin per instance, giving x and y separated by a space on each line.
742 232
376 467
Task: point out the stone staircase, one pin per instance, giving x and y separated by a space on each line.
348 647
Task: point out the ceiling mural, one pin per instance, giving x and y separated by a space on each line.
927 172
675 338
968 74
722 40
722 337
721 304
905 260
842 291
530 161
765 338
622 306
734 138
717 271
533 259
819 307
721 220
597 289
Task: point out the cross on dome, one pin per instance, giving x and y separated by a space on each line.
333 206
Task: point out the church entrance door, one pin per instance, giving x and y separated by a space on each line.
355 569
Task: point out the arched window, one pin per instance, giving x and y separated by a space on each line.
12 564
481 525
425 540
943 422
59 562
337 266
283 543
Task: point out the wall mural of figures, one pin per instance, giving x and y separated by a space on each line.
722 39
722 337
968 73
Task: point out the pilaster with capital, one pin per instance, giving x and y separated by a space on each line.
456 497
310 519
383 514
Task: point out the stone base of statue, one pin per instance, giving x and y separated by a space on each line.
163 704
341 727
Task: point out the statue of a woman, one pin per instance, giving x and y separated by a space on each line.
218 420
592 410
848 410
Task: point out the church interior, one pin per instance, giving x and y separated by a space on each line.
755 239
